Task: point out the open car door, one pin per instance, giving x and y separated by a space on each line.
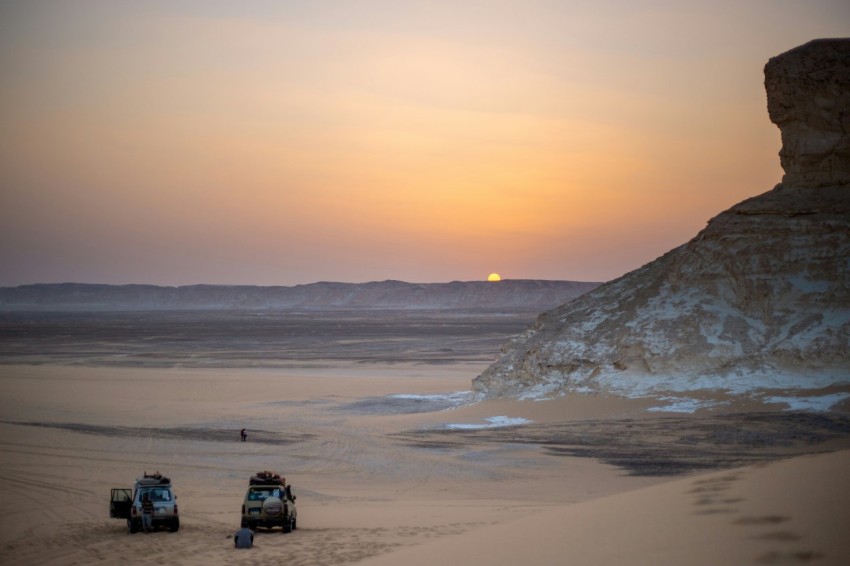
120 502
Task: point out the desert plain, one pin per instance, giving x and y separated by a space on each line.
370 419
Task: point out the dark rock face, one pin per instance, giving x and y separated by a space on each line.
759 299
808 97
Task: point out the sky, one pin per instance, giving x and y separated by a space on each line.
288 142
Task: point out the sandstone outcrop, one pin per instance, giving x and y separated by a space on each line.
760 299
808 97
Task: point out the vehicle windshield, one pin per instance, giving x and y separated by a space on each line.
156 494
262 494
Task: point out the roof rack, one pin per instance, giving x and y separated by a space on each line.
266 478
153 479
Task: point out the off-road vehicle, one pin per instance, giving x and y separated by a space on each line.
269 503
126 503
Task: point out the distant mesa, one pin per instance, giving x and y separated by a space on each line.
527 294
759 299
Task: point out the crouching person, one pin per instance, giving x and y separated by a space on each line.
244 538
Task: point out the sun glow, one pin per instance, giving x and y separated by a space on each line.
494 277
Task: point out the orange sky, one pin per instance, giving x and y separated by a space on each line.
278 143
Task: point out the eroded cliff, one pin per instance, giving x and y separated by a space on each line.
760 299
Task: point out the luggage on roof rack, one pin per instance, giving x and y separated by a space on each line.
153 479
266 478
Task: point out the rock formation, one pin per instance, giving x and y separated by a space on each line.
760 299
808 97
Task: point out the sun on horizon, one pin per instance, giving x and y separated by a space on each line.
494 277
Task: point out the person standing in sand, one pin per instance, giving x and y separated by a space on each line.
147 513
244 434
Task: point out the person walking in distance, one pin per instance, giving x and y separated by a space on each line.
244 435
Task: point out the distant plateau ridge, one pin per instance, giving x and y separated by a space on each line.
509 293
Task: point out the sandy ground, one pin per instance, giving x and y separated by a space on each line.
381 480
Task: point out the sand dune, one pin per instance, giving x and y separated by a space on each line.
792 512
381 479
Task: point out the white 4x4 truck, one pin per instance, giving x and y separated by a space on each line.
269 503
126 503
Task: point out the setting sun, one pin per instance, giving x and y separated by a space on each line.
494 277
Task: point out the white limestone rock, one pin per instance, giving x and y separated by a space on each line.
760 299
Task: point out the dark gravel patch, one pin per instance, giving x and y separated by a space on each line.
183 433
666 446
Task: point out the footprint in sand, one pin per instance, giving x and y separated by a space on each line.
709 493
798 557
784 536
779 557
763 520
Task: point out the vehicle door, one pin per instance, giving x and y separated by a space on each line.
120 502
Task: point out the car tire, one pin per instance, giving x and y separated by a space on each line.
131 527
243 524
287 526
174 526
272 507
